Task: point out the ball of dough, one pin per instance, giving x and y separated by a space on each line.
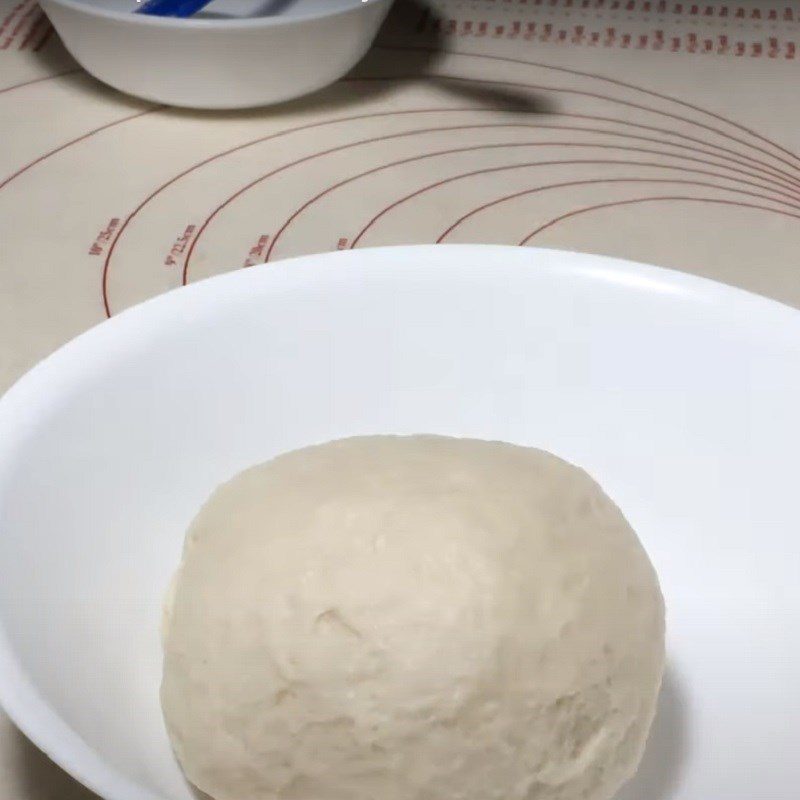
412 618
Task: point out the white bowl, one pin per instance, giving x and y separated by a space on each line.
680 395
213 62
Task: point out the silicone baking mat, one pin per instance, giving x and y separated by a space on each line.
659 131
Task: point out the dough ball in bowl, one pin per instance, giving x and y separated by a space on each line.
412 618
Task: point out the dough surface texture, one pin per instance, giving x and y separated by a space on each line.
412 618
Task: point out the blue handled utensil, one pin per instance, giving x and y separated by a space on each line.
172 8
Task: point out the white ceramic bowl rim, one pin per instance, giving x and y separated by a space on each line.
205 23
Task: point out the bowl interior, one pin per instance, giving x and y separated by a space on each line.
677 394
240 9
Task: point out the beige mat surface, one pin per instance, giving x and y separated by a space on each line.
665 132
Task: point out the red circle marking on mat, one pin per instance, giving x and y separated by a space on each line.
72 142
39 80
774 171
374 170
563 70
595 96
580 211
613 81
437 184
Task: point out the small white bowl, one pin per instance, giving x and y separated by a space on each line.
238 60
